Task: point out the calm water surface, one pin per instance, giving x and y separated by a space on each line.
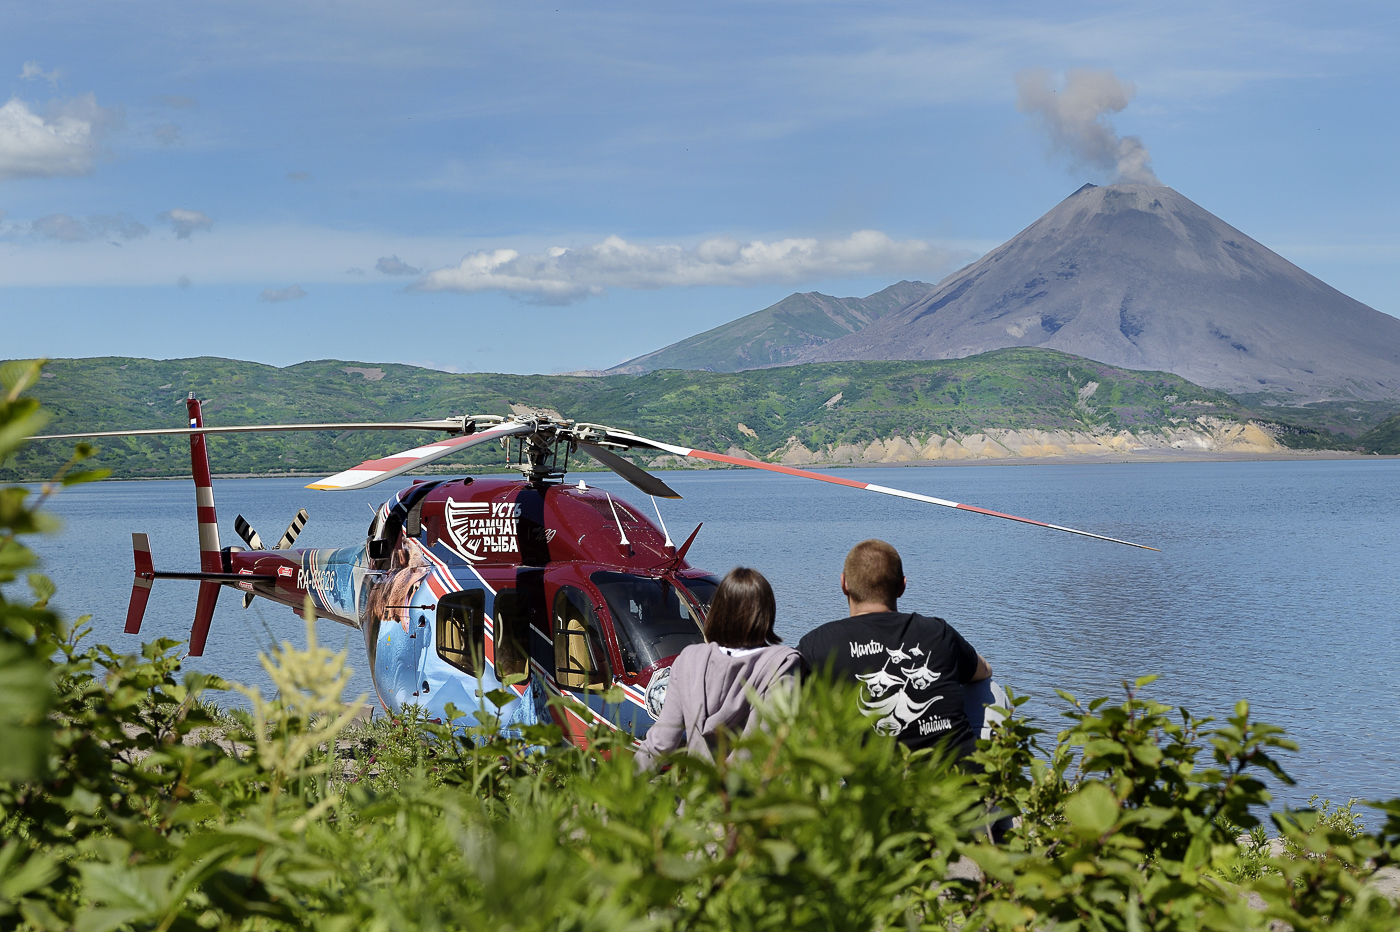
1276 582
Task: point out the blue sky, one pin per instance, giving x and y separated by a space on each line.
541 187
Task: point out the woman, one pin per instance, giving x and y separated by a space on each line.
709 682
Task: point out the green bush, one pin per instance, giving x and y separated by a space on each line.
129 802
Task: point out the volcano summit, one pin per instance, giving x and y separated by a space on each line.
1138 276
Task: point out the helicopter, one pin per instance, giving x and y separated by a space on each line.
470 588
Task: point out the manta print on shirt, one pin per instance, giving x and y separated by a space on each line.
886 691
909 668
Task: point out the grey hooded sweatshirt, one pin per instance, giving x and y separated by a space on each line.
707 690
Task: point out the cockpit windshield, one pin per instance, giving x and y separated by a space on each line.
653 620
703 588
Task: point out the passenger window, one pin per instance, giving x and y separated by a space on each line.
461 630
580 657
512 631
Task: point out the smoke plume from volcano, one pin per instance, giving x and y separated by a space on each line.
1076 117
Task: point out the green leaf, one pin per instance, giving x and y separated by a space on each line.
1092 810
86 475
499 697
38 870
19 374
782 854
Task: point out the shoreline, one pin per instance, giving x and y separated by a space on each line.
1068 459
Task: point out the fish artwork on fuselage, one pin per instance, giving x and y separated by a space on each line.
335 580
462 592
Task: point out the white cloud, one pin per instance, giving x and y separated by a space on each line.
257 254
31 70
393 265
239 254
290 293
61 144
68 229
186 223
562 276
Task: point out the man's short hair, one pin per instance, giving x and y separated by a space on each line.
874 573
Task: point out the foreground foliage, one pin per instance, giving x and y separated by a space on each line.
128 802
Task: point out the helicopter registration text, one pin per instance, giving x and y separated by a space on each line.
316 579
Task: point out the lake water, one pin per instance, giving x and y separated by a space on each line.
1276 582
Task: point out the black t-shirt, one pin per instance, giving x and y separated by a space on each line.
910 668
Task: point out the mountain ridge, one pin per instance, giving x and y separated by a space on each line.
773 335
1140 277
830 410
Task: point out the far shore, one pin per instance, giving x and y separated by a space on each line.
1069 459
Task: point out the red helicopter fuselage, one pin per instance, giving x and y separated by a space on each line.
466 587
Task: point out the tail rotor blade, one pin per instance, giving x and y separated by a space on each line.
245 531
633 440
293 530
629 471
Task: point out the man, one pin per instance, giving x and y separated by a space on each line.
911 668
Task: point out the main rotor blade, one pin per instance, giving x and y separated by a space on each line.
453 425
634 440
629 471
371 472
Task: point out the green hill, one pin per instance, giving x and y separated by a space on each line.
829 403
1383 438
773 335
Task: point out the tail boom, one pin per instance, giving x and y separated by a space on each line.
209 585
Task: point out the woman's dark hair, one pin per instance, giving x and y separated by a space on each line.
743 611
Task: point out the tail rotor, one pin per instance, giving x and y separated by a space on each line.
246 531
254 540
293 530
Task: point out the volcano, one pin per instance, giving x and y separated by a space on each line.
1141 277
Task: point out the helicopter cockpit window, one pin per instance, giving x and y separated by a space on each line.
653 620
703 589
461 629
512 631
580 656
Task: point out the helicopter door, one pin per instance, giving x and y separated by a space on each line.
461 630
512 633
580 656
